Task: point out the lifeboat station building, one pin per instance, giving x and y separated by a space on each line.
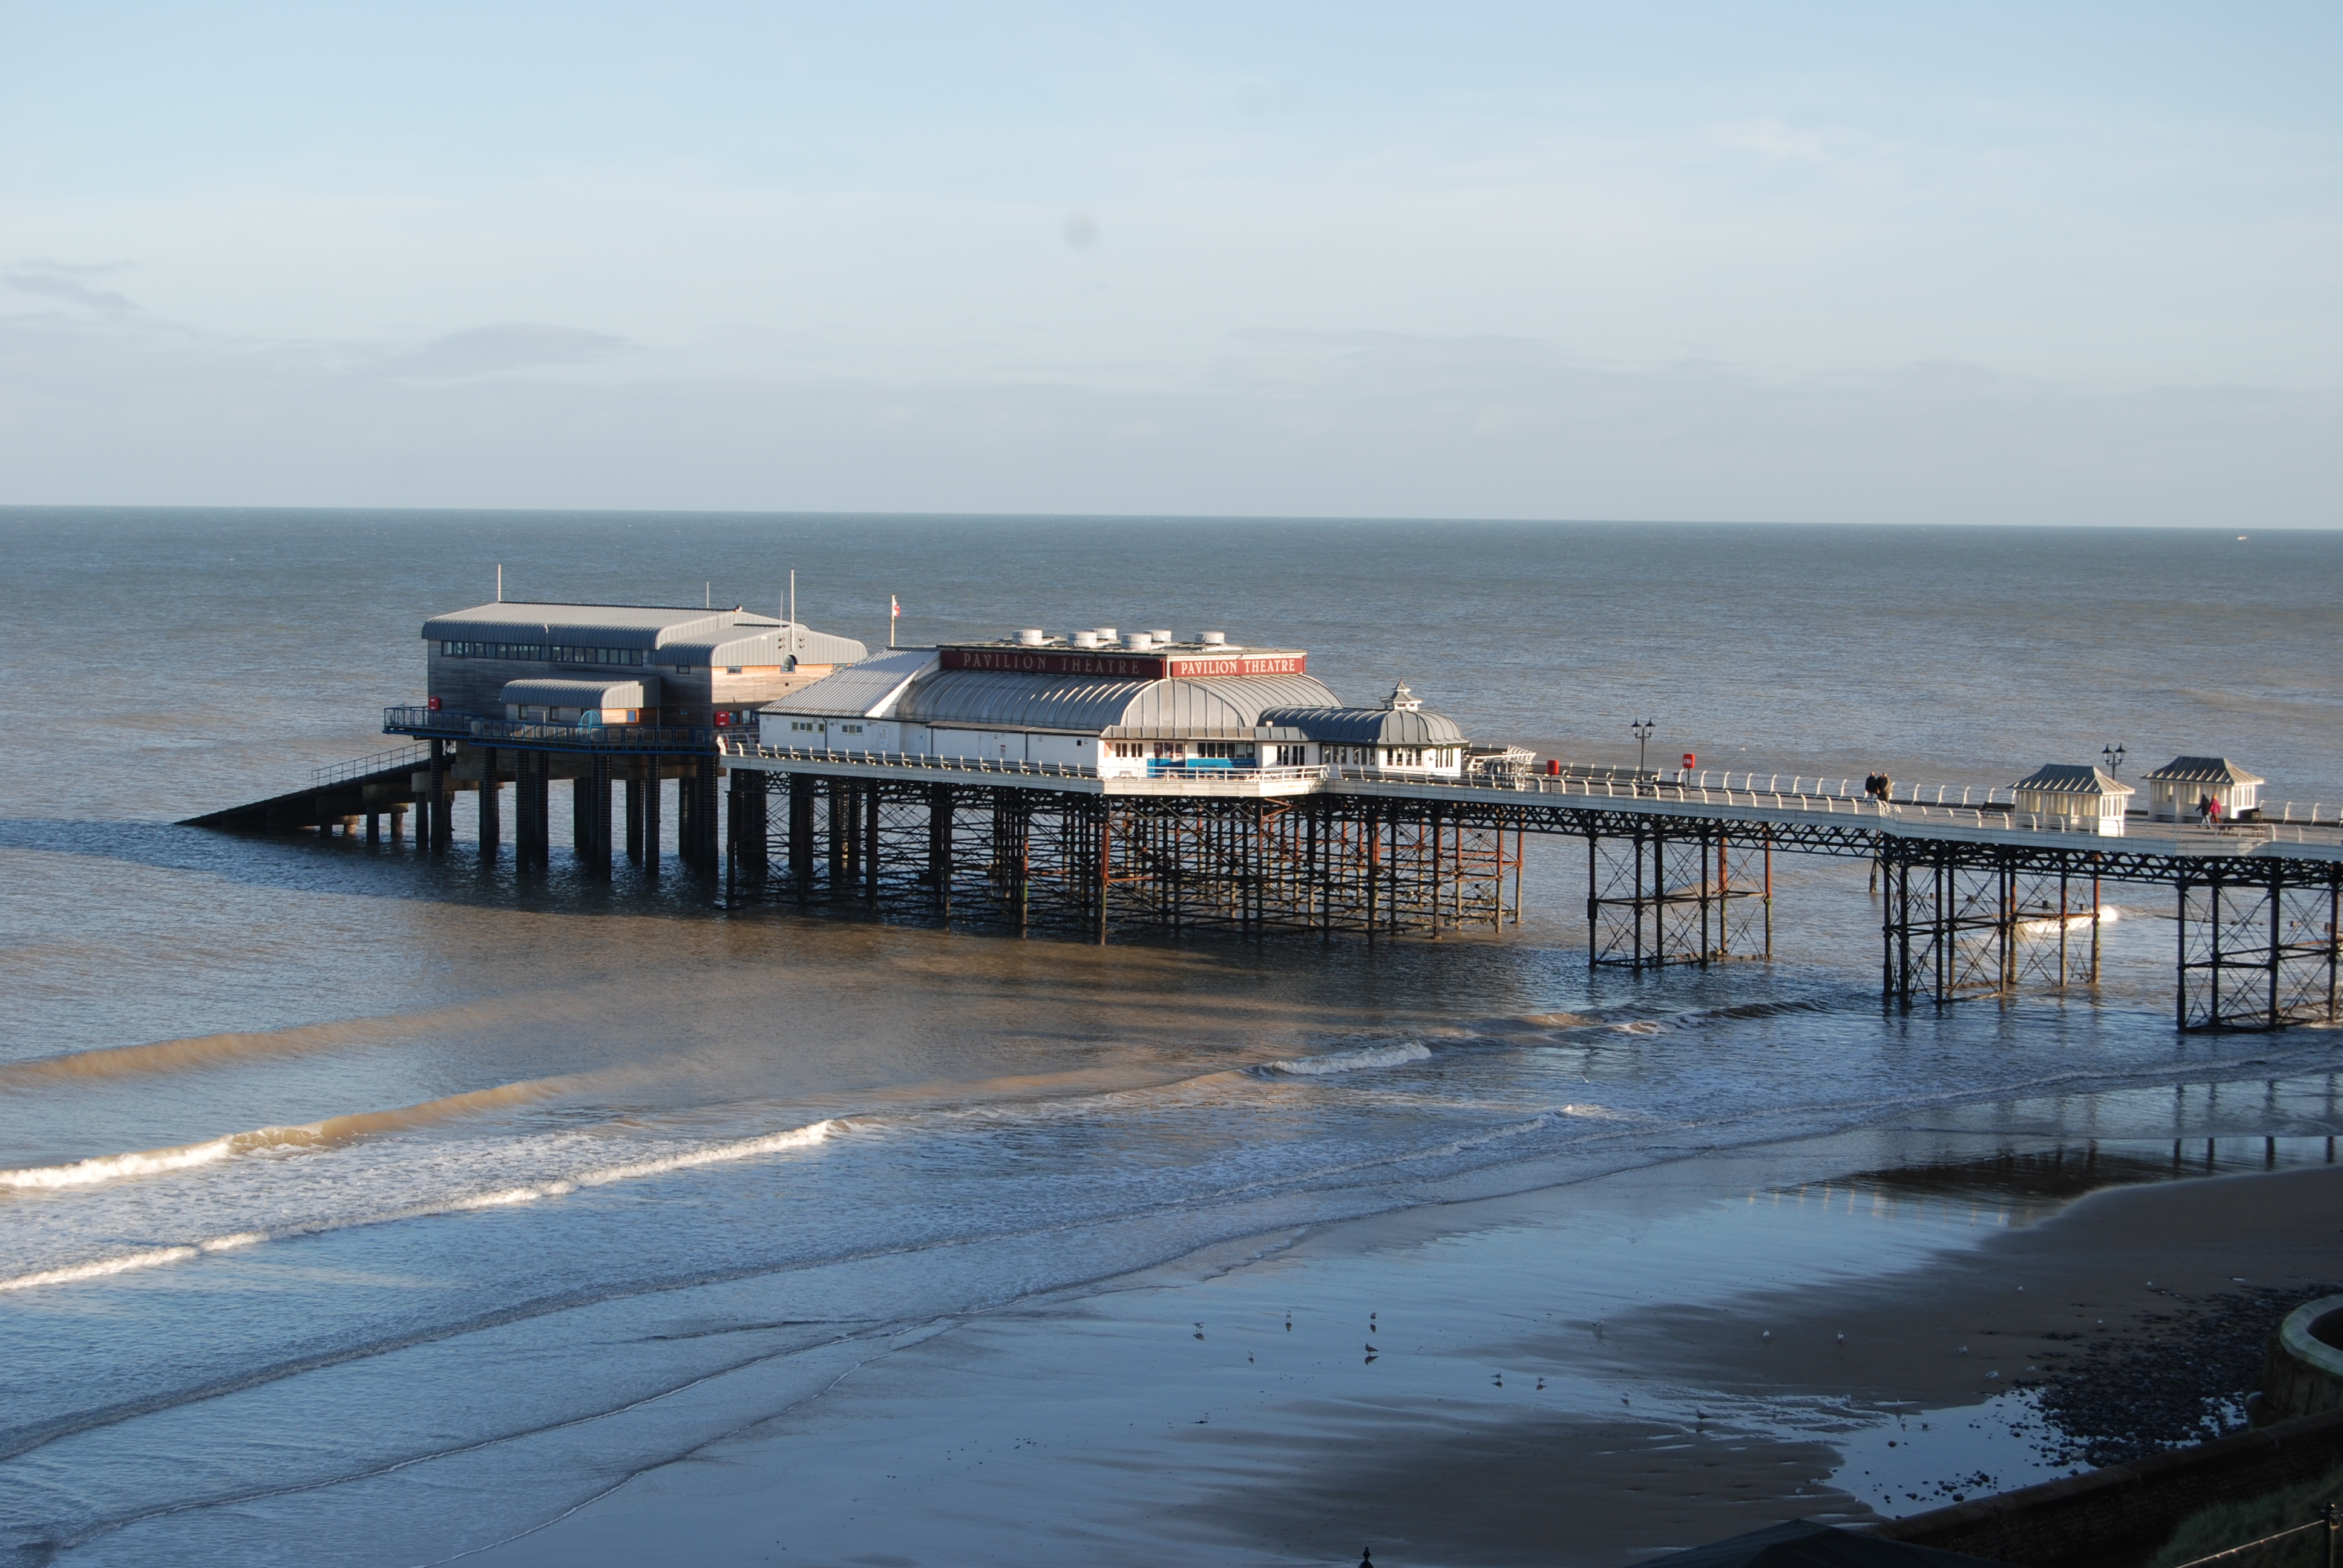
1141 704
621 664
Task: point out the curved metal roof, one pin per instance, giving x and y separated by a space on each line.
1003 699
683 636
628 691
1369 725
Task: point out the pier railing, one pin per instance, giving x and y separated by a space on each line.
380 762
536 733
1928 807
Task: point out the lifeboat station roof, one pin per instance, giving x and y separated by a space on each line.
670 634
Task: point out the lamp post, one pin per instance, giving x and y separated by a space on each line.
2112 756
1643 729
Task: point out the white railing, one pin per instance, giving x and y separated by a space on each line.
1845 788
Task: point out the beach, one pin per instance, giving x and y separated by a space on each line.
1587 1375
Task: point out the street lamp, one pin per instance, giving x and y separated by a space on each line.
2112 756
1643 729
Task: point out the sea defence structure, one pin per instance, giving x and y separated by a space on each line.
1101 783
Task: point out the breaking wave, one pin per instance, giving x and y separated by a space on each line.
804 1137
1351 1061
333 1129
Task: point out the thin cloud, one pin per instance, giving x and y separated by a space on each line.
496 350
48 279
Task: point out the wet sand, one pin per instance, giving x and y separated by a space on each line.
1586 1374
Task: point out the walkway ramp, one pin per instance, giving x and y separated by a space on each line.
382 782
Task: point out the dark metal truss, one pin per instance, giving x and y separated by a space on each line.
1961 916
1075 862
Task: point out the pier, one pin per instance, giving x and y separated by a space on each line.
1095 785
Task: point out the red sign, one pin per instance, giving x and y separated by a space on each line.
1690 760
1121 665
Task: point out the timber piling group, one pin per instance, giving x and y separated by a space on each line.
1099 783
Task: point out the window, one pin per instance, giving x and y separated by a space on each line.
1171 749
1131 749
850 728
802 724
732 670
1290 756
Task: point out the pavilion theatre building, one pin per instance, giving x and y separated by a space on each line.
1140 703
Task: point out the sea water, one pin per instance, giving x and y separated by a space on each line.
357 1206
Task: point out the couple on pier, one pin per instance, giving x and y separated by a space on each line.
1879 787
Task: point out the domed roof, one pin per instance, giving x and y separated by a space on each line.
1369 726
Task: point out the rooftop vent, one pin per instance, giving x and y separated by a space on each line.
1159 638
1106 633
1138 641
1212 638
1086 640
1031 636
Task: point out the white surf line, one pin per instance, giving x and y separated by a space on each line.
496 1198
324 1133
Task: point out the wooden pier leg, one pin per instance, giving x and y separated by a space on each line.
1520 853
2062 925
2334 950
654 798
399 822
492 815
443 826
802 835
374 827
1594 901
2180 973
2213 903
598 815
635 811
940 846
870 845
2095 921
2278 943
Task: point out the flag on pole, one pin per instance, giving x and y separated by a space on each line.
894 609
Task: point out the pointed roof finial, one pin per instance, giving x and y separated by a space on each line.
1402 700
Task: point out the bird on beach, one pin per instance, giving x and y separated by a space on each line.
1541 1382
1842 1336
1200 1330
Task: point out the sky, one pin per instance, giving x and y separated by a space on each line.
1797 262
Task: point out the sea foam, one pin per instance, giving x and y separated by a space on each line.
1397 1055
